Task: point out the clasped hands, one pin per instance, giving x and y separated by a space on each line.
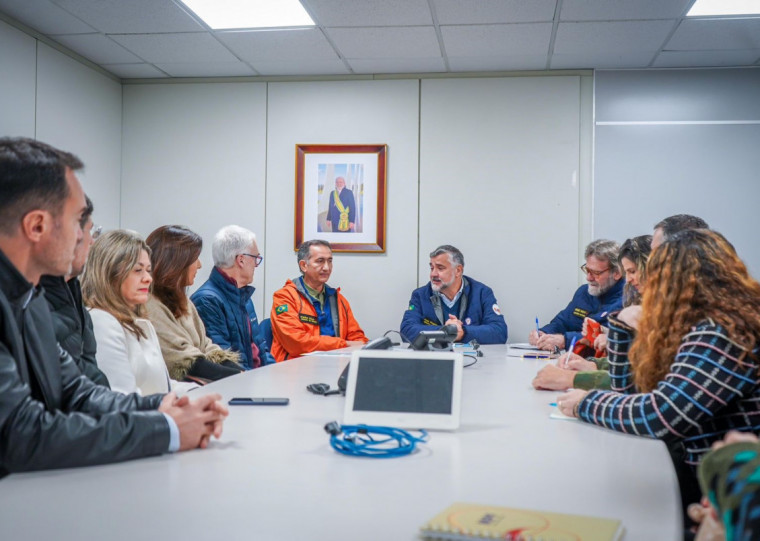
197 420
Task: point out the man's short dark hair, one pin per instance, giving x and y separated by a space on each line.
457 258
680 222
305 249
32 177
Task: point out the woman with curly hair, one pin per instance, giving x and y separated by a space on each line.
188 353
691 375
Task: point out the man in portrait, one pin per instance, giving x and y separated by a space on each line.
341 212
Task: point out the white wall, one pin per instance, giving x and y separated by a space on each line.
18 66
499 179
49 96
79 110
679 141
376 285
195 154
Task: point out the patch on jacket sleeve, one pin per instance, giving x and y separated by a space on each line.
306 318
580 312
427 321
496 309
281 309
411 307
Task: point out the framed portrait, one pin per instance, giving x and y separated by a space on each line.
340 196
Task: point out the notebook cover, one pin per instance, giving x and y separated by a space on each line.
462 521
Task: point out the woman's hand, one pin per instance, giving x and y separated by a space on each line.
566 402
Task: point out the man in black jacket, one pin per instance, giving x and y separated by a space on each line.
72 322
50 415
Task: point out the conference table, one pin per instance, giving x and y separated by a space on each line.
274 476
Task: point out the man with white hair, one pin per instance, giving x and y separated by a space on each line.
224 300
596 299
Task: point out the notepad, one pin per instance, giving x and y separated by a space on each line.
463 521
557 414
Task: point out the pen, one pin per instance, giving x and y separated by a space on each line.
569 350
536 356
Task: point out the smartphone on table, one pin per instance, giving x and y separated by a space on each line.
249 401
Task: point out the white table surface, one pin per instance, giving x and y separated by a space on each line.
274 476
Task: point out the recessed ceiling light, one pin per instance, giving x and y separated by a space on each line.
702 8
227 14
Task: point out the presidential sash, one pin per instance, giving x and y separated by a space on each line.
343 222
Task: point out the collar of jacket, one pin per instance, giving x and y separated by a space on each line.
329 291
435 299
228 289
13 283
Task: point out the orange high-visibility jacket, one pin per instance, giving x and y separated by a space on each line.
295 328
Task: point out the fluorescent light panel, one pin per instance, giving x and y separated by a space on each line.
702 8
228 14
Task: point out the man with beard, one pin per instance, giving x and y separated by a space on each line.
451 298
602 295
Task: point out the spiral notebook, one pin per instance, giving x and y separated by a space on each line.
465 522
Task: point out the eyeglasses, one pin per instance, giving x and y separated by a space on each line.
96 231
586 270
257 258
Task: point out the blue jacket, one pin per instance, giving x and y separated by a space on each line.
570 320
224 308
478 311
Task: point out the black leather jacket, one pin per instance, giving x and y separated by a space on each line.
73 324
51 416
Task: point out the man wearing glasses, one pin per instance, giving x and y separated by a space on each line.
602 295
224 301
71 321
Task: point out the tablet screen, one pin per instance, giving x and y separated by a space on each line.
396 384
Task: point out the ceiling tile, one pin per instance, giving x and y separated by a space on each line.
601 60
606 10
133 71
494 11
169 48
498 63
397 65
370 12
277 45
497 39
97 48
706 34
206 69
132 16
396 42
302 66
678 59
618 37
44 16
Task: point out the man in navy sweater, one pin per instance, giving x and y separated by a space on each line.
450 298
602 295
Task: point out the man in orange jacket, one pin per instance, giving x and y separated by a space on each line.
307 314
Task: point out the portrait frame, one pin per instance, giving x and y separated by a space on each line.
323 201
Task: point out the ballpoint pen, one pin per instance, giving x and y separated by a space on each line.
537 331
569 350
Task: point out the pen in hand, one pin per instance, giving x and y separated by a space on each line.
569 351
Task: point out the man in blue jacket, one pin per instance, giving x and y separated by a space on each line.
450 298
602 295
224 300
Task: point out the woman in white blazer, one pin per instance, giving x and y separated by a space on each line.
115 287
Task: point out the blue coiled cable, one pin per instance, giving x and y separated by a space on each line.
358 440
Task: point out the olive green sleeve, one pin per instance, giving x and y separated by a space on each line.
594 379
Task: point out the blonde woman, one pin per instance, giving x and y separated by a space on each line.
115 287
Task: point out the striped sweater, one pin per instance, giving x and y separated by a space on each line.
706 393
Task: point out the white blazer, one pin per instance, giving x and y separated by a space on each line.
132 365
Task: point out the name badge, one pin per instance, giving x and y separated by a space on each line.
580 312
306 318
